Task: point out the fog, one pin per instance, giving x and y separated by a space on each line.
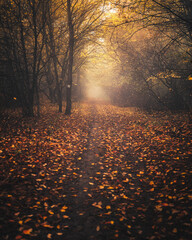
96 94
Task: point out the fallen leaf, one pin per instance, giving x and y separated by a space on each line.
175 230
46 225
18 237
50 212
49 236
98 228
27 231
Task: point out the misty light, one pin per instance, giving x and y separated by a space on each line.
96 93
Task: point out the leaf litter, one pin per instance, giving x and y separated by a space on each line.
102 173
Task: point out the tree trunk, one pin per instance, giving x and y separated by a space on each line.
60 99
54 55
27 107
78 85
70 63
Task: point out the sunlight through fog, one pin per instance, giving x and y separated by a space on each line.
96 93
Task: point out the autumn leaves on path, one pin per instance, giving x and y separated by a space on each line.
102 173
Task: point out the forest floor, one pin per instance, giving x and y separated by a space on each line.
102 173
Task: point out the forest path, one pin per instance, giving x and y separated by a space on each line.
84 213
91 201
103 173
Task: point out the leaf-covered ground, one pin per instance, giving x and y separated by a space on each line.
102 173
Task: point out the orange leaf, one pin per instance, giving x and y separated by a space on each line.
28 231
50 212
175 230
49 236
46 225
151 183
98 228
59 234
18 237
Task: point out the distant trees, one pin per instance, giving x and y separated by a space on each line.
71 27
77 23
39 41
153 41
163 15
22 42
56 51
84 21
44 45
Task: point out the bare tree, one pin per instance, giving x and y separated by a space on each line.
71 53
156 49
22 24
84 20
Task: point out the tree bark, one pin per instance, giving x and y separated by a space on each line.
70 62
54 56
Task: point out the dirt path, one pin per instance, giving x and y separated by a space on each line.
85 216
104 173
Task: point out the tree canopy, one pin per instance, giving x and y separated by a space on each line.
139 51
